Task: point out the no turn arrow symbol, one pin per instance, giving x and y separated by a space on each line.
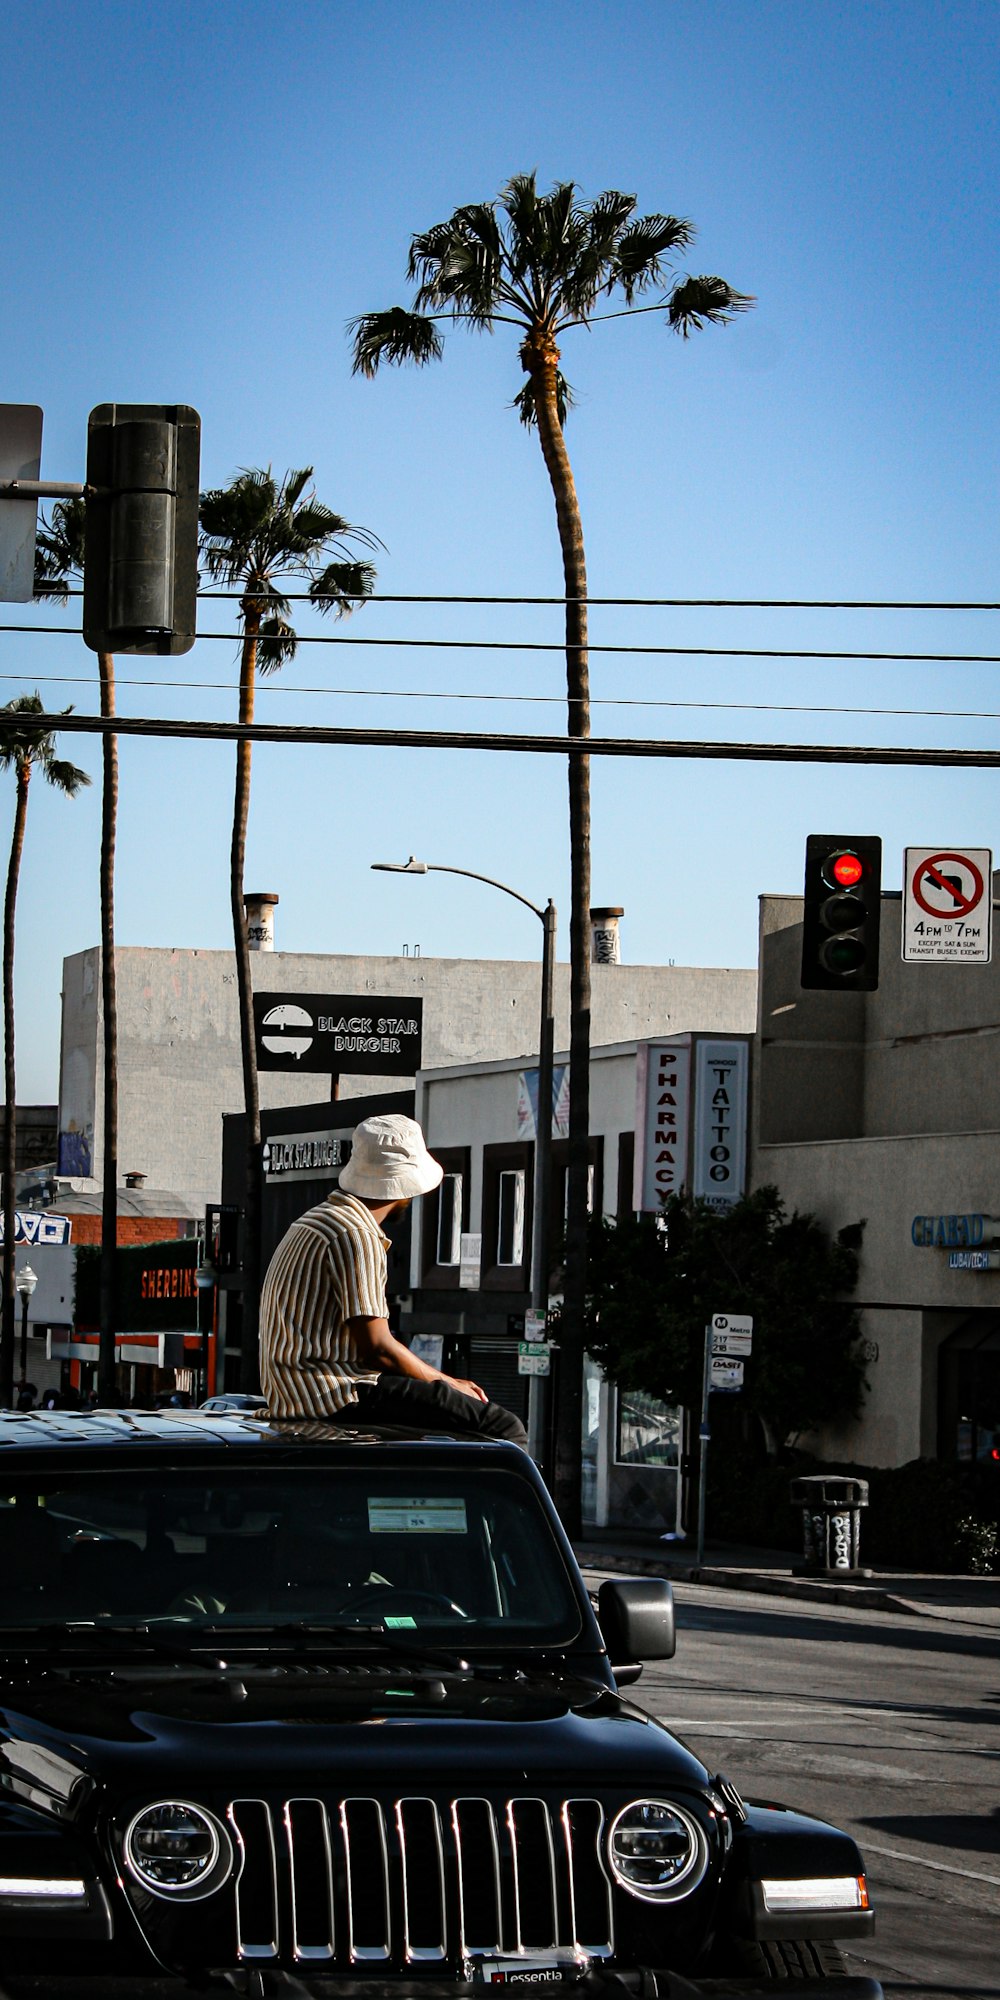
957 893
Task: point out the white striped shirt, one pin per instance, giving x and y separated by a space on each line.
328 1269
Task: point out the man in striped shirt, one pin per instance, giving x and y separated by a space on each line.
326 1347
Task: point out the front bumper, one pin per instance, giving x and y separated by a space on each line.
254 1983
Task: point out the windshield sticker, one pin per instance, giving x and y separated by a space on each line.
444 1515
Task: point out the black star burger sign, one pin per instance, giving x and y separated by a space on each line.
338 1034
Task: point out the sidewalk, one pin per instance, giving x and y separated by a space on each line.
971 1600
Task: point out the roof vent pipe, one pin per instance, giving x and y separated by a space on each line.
605 943
259 910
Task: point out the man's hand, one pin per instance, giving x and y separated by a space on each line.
377 1347
467 1388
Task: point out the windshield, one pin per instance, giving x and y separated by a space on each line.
354 1549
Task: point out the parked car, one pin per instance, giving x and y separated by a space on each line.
234 1399
292 1710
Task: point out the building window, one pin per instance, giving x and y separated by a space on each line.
510 1216
449 1220
649 1432
444 1213
626 1169
506 1217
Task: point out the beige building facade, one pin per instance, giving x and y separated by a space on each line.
886 1106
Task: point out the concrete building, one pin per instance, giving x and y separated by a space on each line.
179 1048
886 1106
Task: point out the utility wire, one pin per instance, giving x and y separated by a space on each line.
642 603
456 739
542 700
540 646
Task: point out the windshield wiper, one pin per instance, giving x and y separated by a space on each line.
118 1637
361 1638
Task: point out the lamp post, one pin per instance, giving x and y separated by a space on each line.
206 1278
25 1281
546 1043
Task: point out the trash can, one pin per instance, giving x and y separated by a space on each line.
831 1524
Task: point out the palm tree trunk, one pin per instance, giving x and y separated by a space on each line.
540 356
10 1085
109 990
249 1366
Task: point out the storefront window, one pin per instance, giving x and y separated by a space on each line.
449 1229
649 1431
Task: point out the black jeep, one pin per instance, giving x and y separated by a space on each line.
291 1710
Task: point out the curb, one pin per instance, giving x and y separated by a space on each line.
865 1596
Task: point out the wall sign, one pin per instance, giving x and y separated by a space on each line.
954 1232
338 1034
662 1080
38 1225
301 1156
719 1122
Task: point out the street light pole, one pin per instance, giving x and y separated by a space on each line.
25 1281
546 1043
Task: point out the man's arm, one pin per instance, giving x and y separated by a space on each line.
376 1347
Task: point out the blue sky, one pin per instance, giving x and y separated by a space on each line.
199 197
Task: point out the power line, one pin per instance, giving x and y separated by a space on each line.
456 739
535 700
641 603
558 646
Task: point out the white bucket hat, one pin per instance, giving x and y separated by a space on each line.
389 1160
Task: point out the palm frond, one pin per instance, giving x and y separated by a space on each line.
65 777
21 745
59 548
276 643
395 335
642 249
342 585
428 250
525 402
698 302
293 486
263 598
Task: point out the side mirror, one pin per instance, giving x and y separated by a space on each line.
636 1616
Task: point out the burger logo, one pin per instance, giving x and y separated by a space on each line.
287 1031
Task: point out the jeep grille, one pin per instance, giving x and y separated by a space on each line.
417 1881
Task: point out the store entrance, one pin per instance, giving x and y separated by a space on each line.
969 1391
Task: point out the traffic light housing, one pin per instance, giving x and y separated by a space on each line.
140 572
843 904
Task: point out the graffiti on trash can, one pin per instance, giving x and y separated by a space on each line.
843 1554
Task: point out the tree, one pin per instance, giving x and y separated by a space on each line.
255 535
21 749
657 1280
59 552
543 263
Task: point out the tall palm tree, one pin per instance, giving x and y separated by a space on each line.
21 750
256 534
543 264
59 551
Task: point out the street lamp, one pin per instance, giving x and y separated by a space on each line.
546 1042
25 1281
206 1278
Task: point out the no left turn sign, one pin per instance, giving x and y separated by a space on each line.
948 905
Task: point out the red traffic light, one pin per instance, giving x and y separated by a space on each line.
845 869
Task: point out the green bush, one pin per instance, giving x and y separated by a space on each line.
927 1515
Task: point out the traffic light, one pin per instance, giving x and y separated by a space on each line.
843 903
140 572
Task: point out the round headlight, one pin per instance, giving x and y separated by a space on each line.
176 1849
657 1851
